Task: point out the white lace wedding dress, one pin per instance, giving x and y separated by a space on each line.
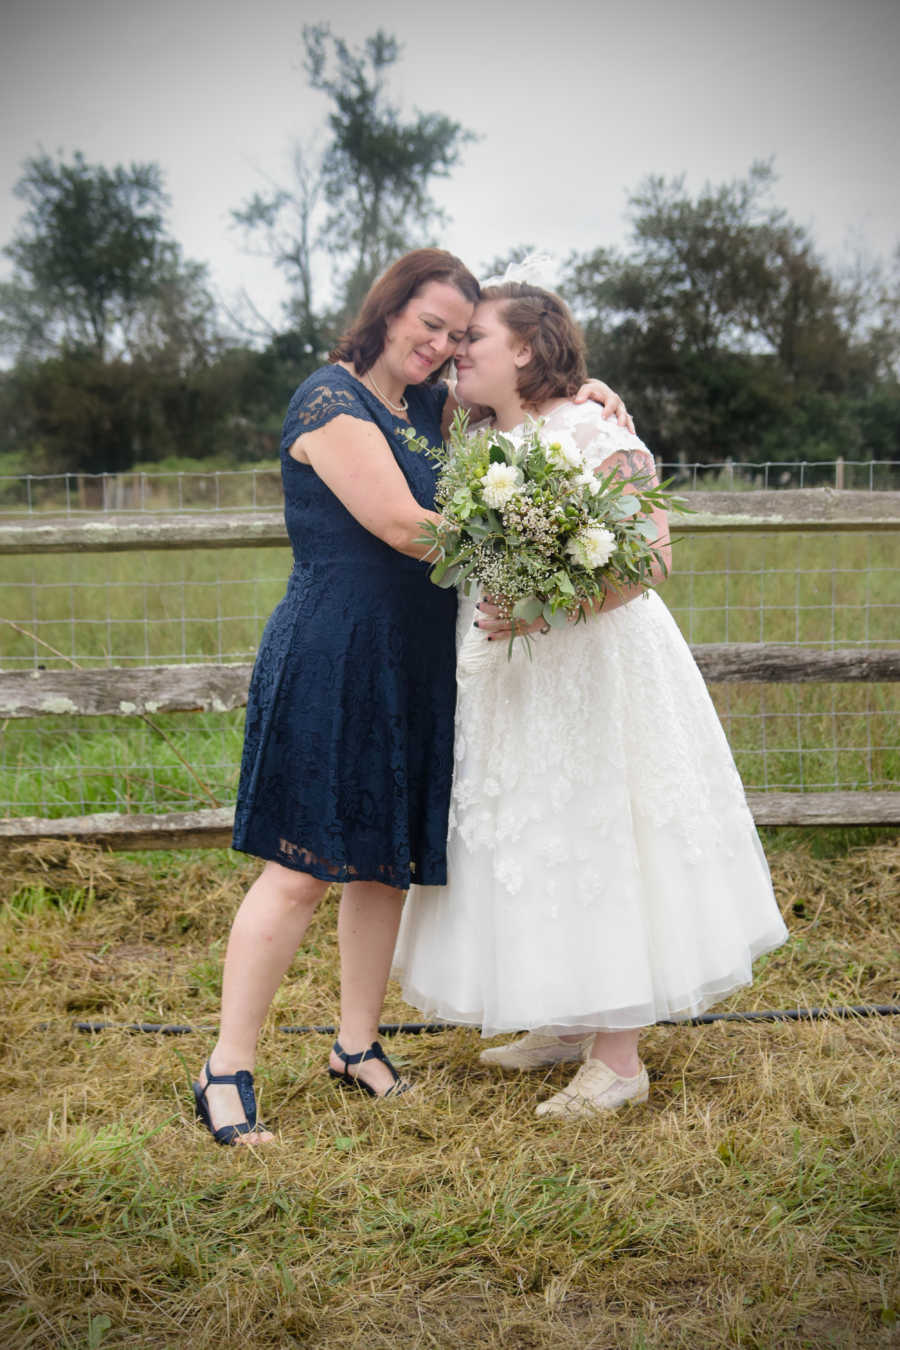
603 867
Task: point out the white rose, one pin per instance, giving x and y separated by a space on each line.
593 547
563 451
500 483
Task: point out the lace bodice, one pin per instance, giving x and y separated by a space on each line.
596 437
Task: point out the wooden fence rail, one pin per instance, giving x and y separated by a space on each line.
130 691
212 828
221 688
796 509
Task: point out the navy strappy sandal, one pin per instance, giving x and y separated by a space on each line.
346 1079
243 1081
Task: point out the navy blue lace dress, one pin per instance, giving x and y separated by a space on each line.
348 743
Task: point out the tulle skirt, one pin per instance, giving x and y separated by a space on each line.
603 867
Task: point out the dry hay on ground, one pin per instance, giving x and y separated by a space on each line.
751 1204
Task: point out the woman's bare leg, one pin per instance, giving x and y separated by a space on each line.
368 920
267 930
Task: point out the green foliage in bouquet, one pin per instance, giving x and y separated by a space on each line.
525 520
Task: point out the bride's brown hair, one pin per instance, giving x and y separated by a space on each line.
557 367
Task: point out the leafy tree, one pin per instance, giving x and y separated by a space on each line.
366 198
114 332
377 169
727 331
73 412
90 257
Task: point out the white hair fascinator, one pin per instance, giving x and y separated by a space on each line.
538 269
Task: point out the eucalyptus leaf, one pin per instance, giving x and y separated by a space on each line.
557 618
527 609
447 579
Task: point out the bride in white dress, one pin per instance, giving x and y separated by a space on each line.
604 871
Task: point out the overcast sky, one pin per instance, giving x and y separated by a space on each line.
574 103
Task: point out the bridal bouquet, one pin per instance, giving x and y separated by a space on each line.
527 521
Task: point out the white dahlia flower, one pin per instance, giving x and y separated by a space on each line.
592 547
500 483
562 450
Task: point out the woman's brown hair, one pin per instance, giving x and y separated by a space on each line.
363 342
557 367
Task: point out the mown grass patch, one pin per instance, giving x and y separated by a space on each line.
752 1203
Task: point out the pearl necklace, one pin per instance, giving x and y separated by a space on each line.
400 407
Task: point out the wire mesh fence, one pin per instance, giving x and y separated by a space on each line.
259 486
813 590
179 490
787 739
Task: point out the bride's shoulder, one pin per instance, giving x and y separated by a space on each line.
592 429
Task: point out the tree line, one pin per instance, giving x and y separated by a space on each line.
727 332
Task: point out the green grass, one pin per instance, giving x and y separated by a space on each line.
210 605
63 767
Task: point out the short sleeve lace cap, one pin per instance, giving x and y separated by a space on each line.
327 394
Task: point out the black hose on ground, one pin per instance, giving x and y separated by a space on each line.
432 1028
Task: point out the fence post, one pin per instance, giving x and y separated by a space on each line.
839 473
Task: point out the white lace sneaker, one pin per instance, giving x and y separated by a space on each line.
595 1088
533 1050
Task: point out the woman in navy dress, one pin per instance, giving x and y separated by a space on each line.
347 763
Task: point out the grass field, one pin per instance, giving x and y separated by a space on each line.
752 1203
127 609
